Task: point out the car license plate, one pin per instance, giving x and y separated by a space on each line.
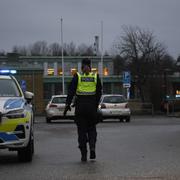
61 108
115 112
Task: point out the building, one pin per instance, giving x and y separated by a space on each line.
43 75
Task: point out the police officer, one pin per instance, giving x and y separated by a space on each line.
87 89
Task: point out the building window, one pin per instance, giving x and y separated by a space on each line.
60 71
50 72
47 91
94 70
3 63
177 93
106 71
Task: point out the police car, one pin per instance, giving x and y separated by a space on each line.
16 117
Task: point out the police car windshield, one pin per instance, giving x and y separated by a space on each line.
8 88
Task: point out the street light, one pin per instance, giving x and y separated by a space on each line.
62 53
166 71
102 53
167 104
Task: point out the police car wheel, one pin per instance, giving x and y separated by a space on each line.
25 154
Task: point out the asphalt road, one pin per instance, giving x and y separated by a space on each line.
146 148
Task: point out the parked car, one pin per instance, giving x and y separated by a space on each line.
114 106
55 108
16 118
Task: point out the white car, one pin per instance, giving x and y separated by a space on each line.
16 118
55 108
114 106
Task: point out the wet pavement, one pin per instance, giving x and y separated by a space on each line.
146 148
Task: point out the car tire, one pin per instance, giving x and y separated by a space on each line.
48 120
120 119
26 154
128 119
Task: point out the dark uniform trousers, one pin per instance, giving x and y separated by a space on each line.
87 134
86 118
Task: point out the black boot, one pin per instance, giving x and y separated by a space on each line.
83 156
92 154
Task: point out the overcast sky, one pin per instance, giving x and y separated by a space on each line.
23 22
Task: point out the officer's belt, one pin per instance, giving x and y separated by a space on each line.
85 93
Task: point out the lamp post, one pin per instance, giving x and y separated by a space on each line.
165 84
62 55
102 53
167 105
166 71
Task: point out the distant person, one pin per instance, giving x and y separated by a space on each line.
86 86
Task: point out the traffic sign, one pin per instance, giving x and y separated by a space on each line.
126 85
126 79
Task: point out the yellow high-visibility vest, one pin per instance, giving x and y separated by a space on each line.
86 84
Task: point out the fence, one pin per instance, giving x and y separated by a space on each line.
171 106
141 108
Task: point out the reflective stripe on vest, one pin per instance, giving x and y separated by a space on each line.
86 84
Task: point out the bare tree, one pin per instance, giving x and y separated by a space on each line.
22 50
85 50
39 48
142 53
118 65
2 52
70 49
55 49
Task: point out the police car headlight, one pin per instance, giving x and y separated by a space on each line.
18 113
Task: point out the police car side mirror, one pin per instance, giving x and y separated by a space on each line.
28 96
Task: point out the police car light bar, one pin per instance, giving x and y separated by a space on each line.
7 71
